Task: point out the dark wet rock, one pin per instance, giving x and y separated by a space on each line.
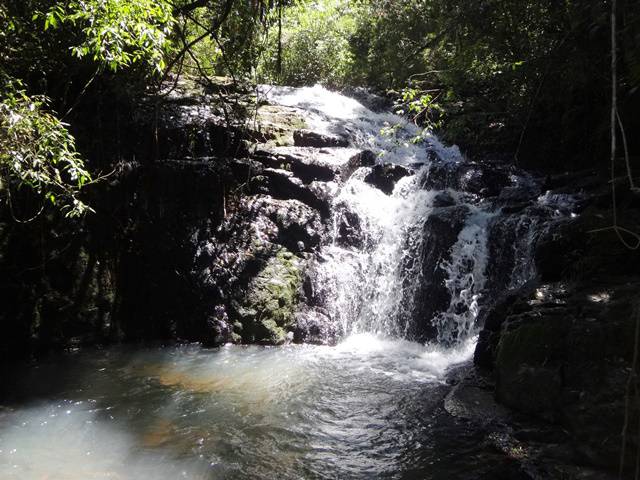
221 329
308 138
366 158
492 320
562 351
349 229
565 360
313 297
242 169
530 448
518 194
471 177
385 176
254 263
517 238
511 239
430 296
305 163
283 184
313 325
519 363
283 222
443 199
325 192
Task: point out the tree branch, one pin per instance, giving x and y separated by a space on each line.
211 31
190 7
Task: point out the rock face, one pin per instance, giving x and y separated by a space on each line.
307 138
194 240
431 296
267 309
561 348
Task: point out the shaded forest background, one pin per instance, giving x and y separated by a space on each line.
528 81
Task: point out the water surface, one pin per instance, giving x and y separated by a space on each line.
367 408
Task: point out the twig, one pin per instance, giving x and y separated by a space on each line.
614 117
11 211
80 95
632 185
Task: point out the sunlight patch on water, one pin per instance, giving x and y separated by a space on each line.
67 441
196 413
402 359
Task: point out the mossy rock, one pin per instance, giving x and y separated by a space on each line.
268 309
278 123
531 354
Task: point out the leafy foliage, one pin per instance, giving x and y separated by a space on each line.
316 45
117 33
523 78
37 151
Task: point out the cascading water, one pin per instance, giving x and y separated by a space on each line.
372 286
417 262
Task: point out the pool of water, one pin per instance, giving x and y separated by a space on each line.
367 408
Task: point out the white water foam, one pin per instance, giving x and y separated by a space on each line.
466 277
371 286
330 112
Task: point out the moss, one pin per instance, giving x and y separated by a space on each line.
278 124
267 311
530 354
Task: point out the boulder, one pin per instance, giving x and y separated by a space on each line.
308 138
471 177
313 325
492 319
422 264
349 228
305 163
385 176
283 184
443 199
366 158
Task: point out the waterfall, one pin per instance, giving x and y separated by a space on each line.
410 262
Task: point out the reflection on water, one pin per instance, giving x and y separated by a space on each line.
367 408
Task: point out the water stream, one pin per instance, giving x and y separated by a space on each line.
370 407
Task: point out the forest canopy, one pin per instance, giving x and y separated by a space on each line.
527 81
